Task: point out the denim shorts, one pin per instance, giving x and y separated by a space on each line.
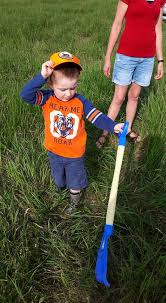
68 172
132 69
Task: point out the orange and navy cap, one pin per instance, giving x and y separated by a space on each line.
63 57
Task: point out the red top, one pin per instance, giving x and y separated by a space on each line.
139 37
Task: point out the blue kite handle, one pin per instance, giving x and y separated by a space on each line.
122 136
108 230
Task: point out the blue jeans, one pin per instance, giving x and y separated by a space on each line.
68 172
132 69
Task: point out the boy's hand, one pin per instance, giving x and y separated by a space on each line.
118 128
47 69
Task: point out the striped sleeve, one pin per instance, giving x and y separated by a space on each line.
39 98
32 93
95 116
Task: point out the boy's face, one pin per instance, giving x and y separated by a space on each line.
64 88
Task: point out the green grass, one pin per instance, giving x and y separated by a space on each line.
45 257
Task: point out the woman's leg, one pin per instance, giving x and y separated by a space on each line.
118 99
132 103
113 111
141 78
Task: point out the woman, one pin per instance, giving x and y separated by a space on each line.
140 41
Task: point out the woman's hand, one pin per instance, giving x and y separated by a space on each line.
160 71
107 67
47 69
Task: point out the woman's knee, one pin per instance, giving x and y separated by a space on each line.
118 99
133 97
133 93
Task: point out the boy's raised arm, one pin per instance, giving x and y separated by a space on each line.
32 93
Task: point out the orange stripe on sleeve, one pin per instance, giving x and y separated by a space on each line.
93 114
39 97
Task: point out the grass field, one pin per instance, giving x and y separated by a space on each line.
45 257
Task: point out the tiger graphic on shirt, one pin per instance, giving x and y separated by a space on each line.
65 126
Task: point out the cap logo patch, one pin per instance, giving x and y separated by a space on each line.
65 55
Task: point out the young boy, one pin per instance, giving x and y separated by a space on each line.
63 110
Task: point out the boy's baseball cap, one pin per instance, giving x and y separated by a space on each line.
63 57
